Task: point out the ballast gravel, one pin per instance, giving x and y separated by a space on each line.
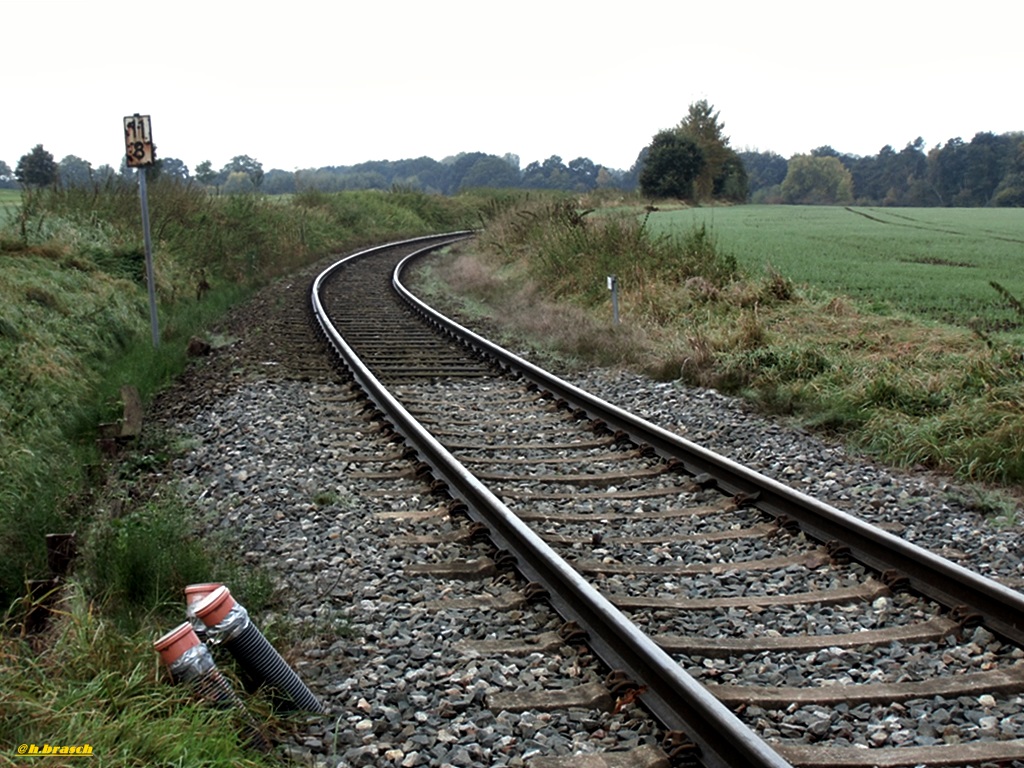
386 648
389 653
927 510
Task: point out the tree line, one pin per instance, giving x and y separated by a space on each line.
986 171
692 161
242 174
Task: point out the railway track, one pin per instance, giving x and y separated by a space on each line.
722 599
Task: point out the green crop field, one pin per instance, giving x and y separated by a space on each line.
9 200
936 263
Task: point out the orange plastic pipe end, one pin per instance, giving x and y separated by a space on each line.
215 606
196 592
172 645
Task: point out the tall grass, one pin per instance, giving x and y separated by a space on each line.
699 305
89 682
572 253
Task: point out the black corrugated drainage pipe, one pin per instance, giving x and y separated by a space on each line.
227 622
189 661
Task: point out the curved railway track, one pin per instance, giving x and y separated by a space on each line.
682 569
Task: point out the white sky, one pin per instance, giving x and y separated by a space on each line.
297 84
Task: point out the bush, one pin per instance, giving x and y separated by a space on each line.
571 252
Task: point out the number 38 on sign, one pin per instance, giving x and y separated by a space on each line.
138 141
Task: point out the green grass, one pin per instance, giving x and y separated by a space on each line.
9 201
934 263
86 681
883 329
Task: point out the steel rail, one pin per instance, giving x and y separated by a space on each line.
673 696
973 596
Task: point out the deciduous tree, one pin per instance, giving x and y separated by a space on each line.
74 172
37 168
172 168
238 183
671 167
105 174
6 176
583 174
732 182
490 171
946 169
702 125
205 173
550 174
765 170
817 181
245 164
278 182
987 158
1010 191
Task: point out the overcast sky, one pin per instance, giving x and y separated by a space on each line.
303 85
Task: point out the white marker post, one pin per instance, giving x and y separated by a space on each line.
140 153
613 286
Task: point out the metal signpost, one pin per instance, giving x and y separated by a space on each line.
140 153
